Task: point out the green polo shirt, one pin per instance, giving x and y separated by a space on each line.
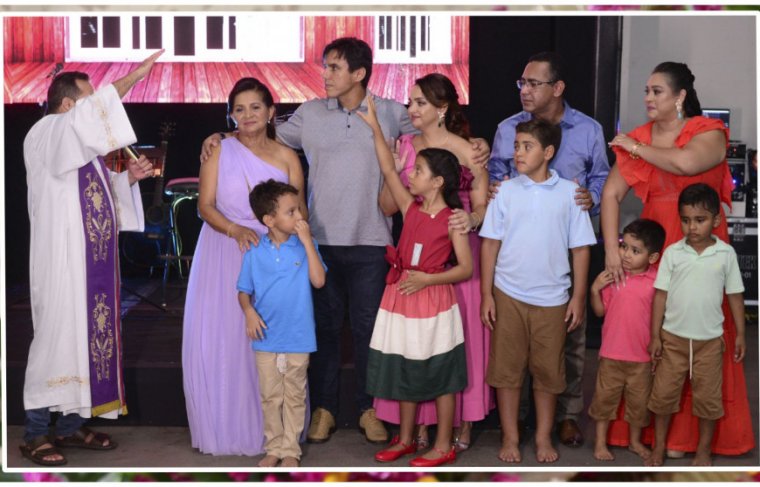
695 285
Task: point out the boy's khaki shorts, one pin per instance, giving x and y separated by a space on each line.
615 378
527 337
706 380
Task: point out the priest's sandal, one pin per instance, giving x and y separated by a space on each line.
33 451
88 439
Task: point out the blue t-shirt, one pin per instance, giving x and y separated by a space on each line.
278 280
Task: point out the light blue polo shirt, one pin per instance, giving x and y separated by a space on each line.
278 280
537 224
695 285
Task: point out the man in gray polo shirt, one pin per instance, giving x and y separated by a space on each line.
343 186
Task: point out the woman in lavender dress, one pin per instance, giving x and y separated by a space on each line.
220 378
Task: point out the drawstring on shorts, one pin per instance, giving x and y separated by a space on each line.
691 357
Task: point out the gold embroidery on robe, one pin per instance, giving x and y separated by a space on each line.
98 222
106 124
65 380
102 339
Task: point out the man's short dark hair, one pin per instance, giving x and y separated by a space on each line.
700 194
556 71
64 86
649 232
546 133
264 197
356 52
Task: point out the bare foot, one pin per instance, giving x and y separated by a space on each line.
601 452
510 452
545 452
268 461
640 450
656 458
702 460
290 462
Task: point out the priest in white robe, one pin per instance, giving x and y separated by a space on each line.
76 208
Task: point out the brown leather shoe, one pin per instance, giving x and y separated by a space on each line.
322 426
569 433
372 428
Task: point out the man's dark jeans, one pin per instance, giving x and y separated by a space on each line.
37 423
355 274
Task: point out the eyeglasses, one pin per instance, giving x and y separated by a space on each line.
532 83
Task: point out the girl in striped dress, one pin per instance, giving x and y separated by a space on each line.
417 348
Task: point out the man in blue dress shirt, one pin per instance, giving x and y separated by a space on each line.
582 158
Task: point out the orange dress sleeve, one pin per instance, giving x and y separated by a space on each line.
636 172
639 174
698 125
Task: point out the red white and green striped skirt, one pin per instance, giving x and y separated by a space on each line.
417 348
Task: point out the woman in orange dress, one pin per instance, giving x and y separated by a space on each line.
676 148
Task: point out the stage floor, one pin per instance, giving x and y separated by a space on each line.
154 434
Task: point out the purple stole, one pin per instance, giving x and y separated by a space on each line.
103 302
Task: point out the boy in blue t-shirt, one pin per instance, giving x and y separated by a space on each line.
525 276
278 274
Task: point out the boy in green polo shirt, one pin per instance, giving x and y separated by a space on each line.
687 320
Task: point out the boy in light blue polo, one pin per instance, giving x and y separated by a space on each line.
275 293
528 229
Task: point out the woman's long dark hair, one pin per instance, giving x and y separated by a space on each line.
251 84
680 78
440 92
446 165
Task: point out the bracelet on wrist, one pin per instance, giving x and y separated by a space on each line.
229 229
634 152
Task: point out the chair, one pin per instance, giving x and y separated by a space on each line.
181 191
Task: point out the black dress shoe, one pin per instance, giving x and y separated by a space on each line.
569 433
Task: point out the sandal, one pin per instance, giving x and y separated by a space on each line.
33 451
457 443
79 440
421 440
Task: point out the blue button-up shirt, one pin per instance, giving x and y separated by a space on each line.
582 153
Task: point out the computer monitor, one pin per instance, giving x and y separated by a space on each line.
719 113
